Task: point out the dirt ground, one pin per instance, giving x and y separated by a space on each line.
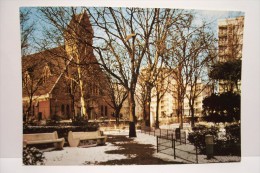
137 154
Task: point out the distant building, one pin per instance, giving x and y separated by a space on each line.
51 77
167 106
202 92
230 34
168 103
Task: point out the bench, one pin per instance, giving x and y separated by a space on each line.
43 138
74 138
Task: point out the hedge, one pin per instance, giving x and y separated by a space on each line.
61 129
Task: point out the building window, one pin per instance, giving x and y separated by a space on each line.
62 109
105 110
26 78
102 110
46 73
68 111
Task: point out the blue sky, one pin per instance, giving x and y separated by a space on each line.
206 15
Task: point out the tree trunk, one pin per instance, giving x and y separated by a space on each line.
181 124
157 111
192 111
28 111
132 118
180 112
144 112
72 108
117 116
82 101
192 116
147 112
148 104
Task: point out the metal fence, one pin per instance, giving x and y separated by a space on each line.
177 149
177 134
174 142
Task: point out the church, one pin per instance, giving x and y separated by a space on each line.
66 81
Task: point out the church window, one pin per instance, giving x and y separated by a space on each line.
46 72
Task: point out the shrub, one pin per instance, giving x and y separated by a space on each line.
80 121
56 118
32 156
233 133
197 137
228 146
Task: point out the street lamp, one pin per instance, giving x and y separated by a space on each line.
130 36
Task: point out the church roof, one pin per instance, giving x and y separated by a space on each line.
52 62
44 69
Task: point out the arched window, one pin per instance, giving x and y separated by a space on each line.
46 72
62 109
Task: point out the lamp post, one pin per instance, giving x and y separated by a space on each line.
130 36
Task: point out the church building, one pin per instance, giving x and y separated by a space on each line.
66 81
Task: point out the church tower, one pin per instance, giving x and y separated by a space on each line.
78 45
79 38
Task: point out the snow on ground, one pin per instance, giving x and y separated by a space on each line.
183 151
81 156
93 155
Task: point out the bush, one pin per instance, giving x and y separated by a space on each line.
233 133
32 156
197 137
56 118
61 129
228 146
80 121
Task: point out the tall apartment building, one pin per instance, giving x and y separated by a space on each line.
230 34
168 102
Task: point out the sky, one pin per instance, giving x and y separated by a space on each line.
209 16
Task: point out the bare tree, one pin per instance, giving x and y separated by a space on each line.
27 29
73 33
155 56
193 51
117 96
161 88
202 53
130 35
125 34
178 59
31 84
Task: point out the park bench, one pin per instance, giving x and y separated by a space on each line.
43 138
74 138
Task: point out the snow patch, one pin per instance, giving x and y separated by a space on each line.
82 156
94 155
